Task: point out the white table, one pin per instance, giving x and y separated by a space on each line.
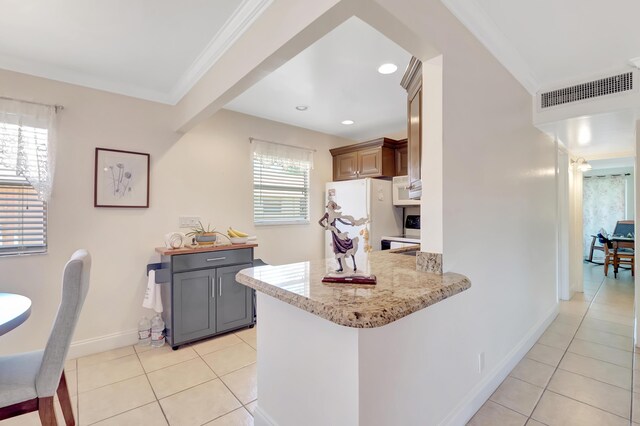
14 310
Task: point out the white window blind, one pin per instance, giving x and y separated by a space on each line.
23 215
280 185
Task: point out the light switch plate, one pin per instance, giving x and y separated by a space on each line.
188 221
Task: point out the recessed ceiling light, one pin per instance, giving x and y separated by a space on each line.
387 68
348 122
302 107
584 135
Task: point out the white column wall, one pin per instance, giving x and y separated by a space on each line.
564 287
576 251
637 218
431 235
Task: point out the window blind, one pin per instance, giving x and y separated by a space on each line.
280 191
23 215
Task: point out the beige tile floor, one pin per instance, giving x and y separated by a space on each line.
582 369
580 372
207 383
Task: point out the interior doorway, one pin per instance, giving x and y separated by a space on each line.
608 206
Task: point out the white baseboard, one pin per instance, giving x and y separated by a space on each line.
260 418
483 390
103 343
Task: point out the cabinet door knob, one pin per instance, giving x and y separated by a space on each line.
220 286
213 288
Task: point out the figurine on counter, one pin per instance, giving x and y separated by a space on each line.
343 246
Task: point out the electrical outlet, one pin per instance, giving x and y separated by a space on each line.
188 221
480 362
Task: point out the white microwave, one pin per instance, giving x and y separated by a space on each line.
401 192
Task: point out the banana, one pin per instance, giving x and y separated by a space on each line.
239 233
231 233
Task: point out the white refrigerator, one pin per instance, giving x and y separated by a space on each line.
361 198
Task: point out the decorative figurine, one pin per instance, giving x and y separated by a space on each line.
343 246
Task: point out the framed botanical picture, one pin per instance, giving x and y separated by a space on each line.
121 179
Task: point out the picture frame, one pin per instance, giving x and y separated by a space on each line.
121 179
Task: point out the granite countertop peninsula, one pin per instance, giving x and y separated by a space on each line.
400 290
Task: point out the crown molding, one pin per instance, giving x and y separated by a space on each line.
241 19
65 75
236 25
475 18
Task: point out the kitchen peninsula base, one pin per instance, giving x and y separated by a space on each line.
314 370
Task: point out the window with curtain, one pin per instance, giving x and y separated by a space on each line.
26 172
280 183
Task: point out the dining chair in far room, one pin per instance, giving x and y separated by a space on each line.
28 381
624 228
616 255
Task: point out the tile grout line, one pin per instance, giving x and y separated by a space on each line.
568 371
222 381
595 380
565 352
113 383
585 403
118 414
120 381
146 374
517 412
579 354
225 385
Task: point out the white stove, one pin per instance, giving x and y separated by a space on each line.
410 237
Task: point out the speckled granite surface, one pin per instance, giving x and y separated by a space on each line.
400 291
429 262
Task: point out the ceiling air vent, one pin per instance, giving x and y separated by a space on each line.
604 86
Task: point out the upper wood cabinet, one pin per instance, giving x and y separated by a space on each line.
345 166
412 82
375 158
402 157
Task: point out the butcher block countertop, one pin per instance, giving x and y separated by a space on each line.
195 249
400 289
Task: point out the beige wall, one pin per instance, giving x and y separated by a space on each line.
206 173
499 213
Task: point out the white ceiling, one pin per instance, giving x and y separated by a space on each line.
610 163
151 49
547 44
596 135
337 79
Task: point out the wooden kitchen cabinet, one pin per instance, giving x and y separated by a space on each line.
412 82
375 158
345 166
402 158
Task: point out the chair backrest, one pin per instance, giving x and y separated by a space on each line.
624 228
75 285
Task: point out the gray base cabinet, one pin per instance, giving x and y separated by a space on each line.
203 298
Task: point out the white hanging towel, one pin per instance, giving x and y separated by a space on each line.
152 297
150 294
158 299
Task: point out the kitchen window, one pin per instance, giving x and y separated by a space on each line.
25 175
280 183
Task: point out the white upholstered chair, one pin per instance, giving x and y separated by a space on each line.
28 381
